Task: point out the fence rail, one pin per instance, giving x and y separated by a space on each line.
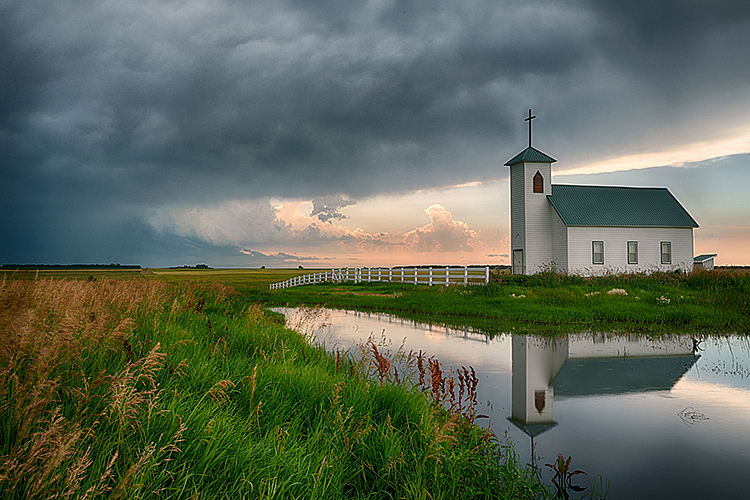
415 275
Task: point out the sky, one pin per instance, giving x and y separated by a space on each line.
329 133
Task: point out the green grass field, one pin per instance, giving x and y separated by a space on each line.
716 301
172 386
259 279
177 383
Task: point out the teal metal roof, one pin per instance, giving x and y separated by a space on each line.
530 154
704 257
599 376
532 430
618 206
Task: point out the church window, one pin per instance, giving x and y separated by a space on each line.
539 400
597 248
666 252
538 182
632 252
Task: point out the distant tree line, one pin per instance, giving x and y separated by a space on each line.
70 266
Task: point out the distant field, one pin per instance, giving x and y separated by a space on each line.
79 274
239 278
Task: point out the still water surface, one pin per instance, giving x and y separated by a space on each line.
658 418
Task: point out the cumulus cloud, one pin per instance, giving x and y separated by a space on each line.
442 234
235 222
260 223
253 224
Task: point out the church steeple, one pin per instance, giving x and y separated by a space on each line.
530 217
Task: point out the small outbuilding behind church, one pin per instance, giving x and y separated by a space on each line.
704 261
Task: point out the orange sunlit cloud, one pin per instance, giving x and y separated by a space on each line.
291 230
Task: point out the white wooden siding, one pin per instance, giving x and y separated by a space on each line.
615 249
559 242
538 218
517 208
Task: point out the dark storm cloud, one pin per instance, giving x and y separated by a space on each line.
327 208
110 109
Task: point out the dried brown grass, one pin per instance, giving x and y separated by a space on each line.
51 407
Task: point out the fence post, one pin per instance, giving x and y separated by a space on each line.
486 275
447 276
430 275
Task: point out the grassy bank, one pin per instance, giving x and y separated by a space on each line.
716 301
141 388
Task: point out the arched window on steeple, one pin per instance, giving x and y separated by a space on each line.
538 182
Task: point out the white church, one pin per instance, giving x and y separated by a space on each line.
592 230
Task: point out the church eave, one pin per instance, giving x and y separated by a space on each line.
530 154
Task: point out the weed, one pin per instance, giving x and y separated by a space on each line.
563 478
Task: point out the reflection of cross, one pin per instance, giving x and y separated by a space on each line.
529 120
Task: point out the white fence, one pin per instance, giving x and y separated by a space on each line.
414 275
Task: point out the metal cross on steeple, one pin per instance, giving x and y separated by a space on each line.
529 120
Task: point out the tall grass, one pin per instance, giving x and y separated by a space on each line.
133 389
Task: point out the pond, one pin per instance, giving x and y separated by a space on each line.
657 418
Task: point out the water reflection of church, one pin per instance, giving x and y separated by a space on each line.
546 369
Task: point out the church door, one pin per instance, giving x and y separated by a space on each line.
518 262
